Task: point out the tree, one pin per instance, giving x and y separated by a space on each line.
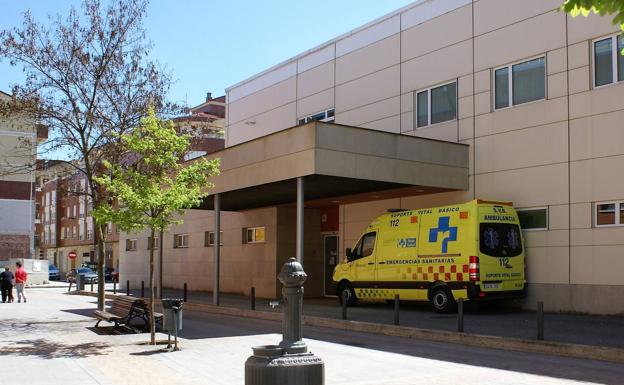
599 7
152 186
88 78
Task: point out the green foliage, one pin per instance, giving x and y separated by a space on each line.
153 186
599 7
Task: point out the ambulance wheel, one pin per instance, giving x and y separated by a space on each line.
442 300
346 289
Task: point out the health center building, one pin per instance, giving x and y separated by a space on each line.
439 102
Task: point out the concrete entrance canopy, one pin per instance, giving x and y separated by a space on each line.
335 161
318 161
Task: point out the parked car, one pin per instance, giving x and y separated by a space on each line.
53 273
90 275
90 264
108 271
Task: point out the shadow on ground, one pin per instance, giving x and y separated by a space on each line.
214 326
82 312
50 350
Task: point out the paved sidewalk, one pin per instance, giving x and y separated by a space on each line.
51 340
503 322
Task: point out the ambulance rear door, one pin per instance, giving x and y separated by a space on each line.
501 250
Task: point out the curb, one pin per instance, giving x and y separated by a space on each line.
494 342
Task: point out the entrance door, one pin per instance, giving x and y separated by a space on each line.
331 260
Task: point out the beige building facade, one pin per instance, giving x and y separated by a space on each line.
536 96
19 138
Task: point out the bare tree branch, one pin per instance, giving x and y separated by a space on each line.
90 80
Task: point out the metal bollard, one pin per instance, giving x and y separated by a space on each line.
114 286
396 309
253 298
127 287
91 284
460 315
185 289
344 305
540 321
142 289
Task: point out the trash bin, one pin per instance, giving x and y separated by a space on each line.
80 281
172 317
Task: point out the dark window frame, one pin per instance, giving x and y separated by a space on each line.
543 208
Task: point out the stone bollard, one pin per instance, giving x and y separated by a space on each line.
289 362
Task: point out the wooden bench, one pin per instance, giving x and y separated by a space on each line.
124 310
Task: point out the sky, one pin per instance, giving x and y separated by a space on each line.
210 45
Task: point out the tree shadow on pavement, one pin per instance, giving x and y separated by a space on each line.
83 312
46 349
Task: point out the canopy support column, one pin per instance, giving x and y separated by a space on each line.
300 219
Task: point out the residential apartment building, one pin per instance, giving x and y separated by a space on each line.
440 102
65 229
19 138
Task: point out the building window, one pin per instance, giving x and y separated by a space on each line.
131 244
527 83
436 104
89 234
609 214
62 232
209 238
533 218
323 116
608 61
253 235
152 243
181 240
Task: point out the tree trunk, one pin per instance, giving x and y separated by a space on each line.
99 253
152 320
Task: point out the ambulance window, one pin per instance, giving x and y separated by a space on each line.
368 244
365 246
500 239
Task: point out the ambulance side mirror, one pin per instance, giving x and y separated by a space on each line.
349 254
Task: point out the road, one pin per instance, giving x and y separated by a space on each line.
51 340
202 325
499 319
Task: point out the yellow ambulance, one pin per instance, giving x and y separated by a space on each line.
473 250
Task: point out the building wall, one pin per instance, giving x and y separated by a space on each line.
18 140
563 152
65 221
195 264
243 265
